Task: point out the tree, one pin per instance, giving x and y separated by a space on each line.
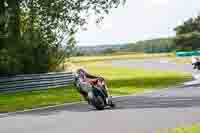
153 46
189 41
37 30
108 51
3 19
188 34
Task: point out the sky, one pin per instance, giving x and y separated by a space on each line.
139 20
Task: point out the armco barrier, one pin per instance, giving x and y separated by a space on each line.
188 53
35 81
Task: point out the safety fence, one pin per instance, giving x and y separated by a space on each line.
35 81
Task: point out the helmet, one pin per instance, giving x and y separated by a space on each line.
81 70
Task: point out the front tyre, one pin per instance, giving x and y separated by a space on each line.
99 103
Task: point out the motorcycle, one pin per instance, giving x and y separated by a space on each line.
97 95
196 66
196 63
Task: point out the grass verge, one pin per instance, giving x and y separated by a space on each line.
120 57
181 60
124 81
192 129
27 100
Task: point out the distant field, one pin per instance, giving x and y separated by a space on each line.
129 55
181 60
119 56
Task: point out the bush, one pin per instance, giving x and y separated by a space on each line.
28 58
9 64
188 42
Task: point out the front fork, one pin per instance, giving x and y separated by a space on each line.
108 96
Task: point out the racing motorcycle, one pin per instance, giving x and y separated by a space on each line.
96 93
196 66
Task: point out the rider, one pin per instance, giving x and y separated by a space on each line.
87 80
86 77
195 61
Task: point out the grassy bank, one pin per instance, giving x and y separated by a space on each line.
121 81
192 129
181 60
119 57
34 99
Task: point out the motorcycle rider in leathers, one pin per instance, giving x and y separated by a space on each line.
87 80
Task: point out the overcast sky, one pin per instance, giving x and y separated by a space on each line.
140 20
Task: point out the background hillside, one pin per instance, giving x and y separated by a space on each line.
160 45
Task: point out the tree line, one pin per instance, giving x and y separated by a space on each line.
152 46
188 35
187 38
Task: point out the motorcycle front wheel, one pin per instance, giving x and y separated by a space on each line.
99 103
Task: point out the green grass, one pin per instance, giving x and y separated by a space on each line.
124 81
192 129
121 81
27 100
181 60
119 57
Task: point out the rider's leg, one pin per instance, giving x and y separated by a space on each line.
85 88
198 65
